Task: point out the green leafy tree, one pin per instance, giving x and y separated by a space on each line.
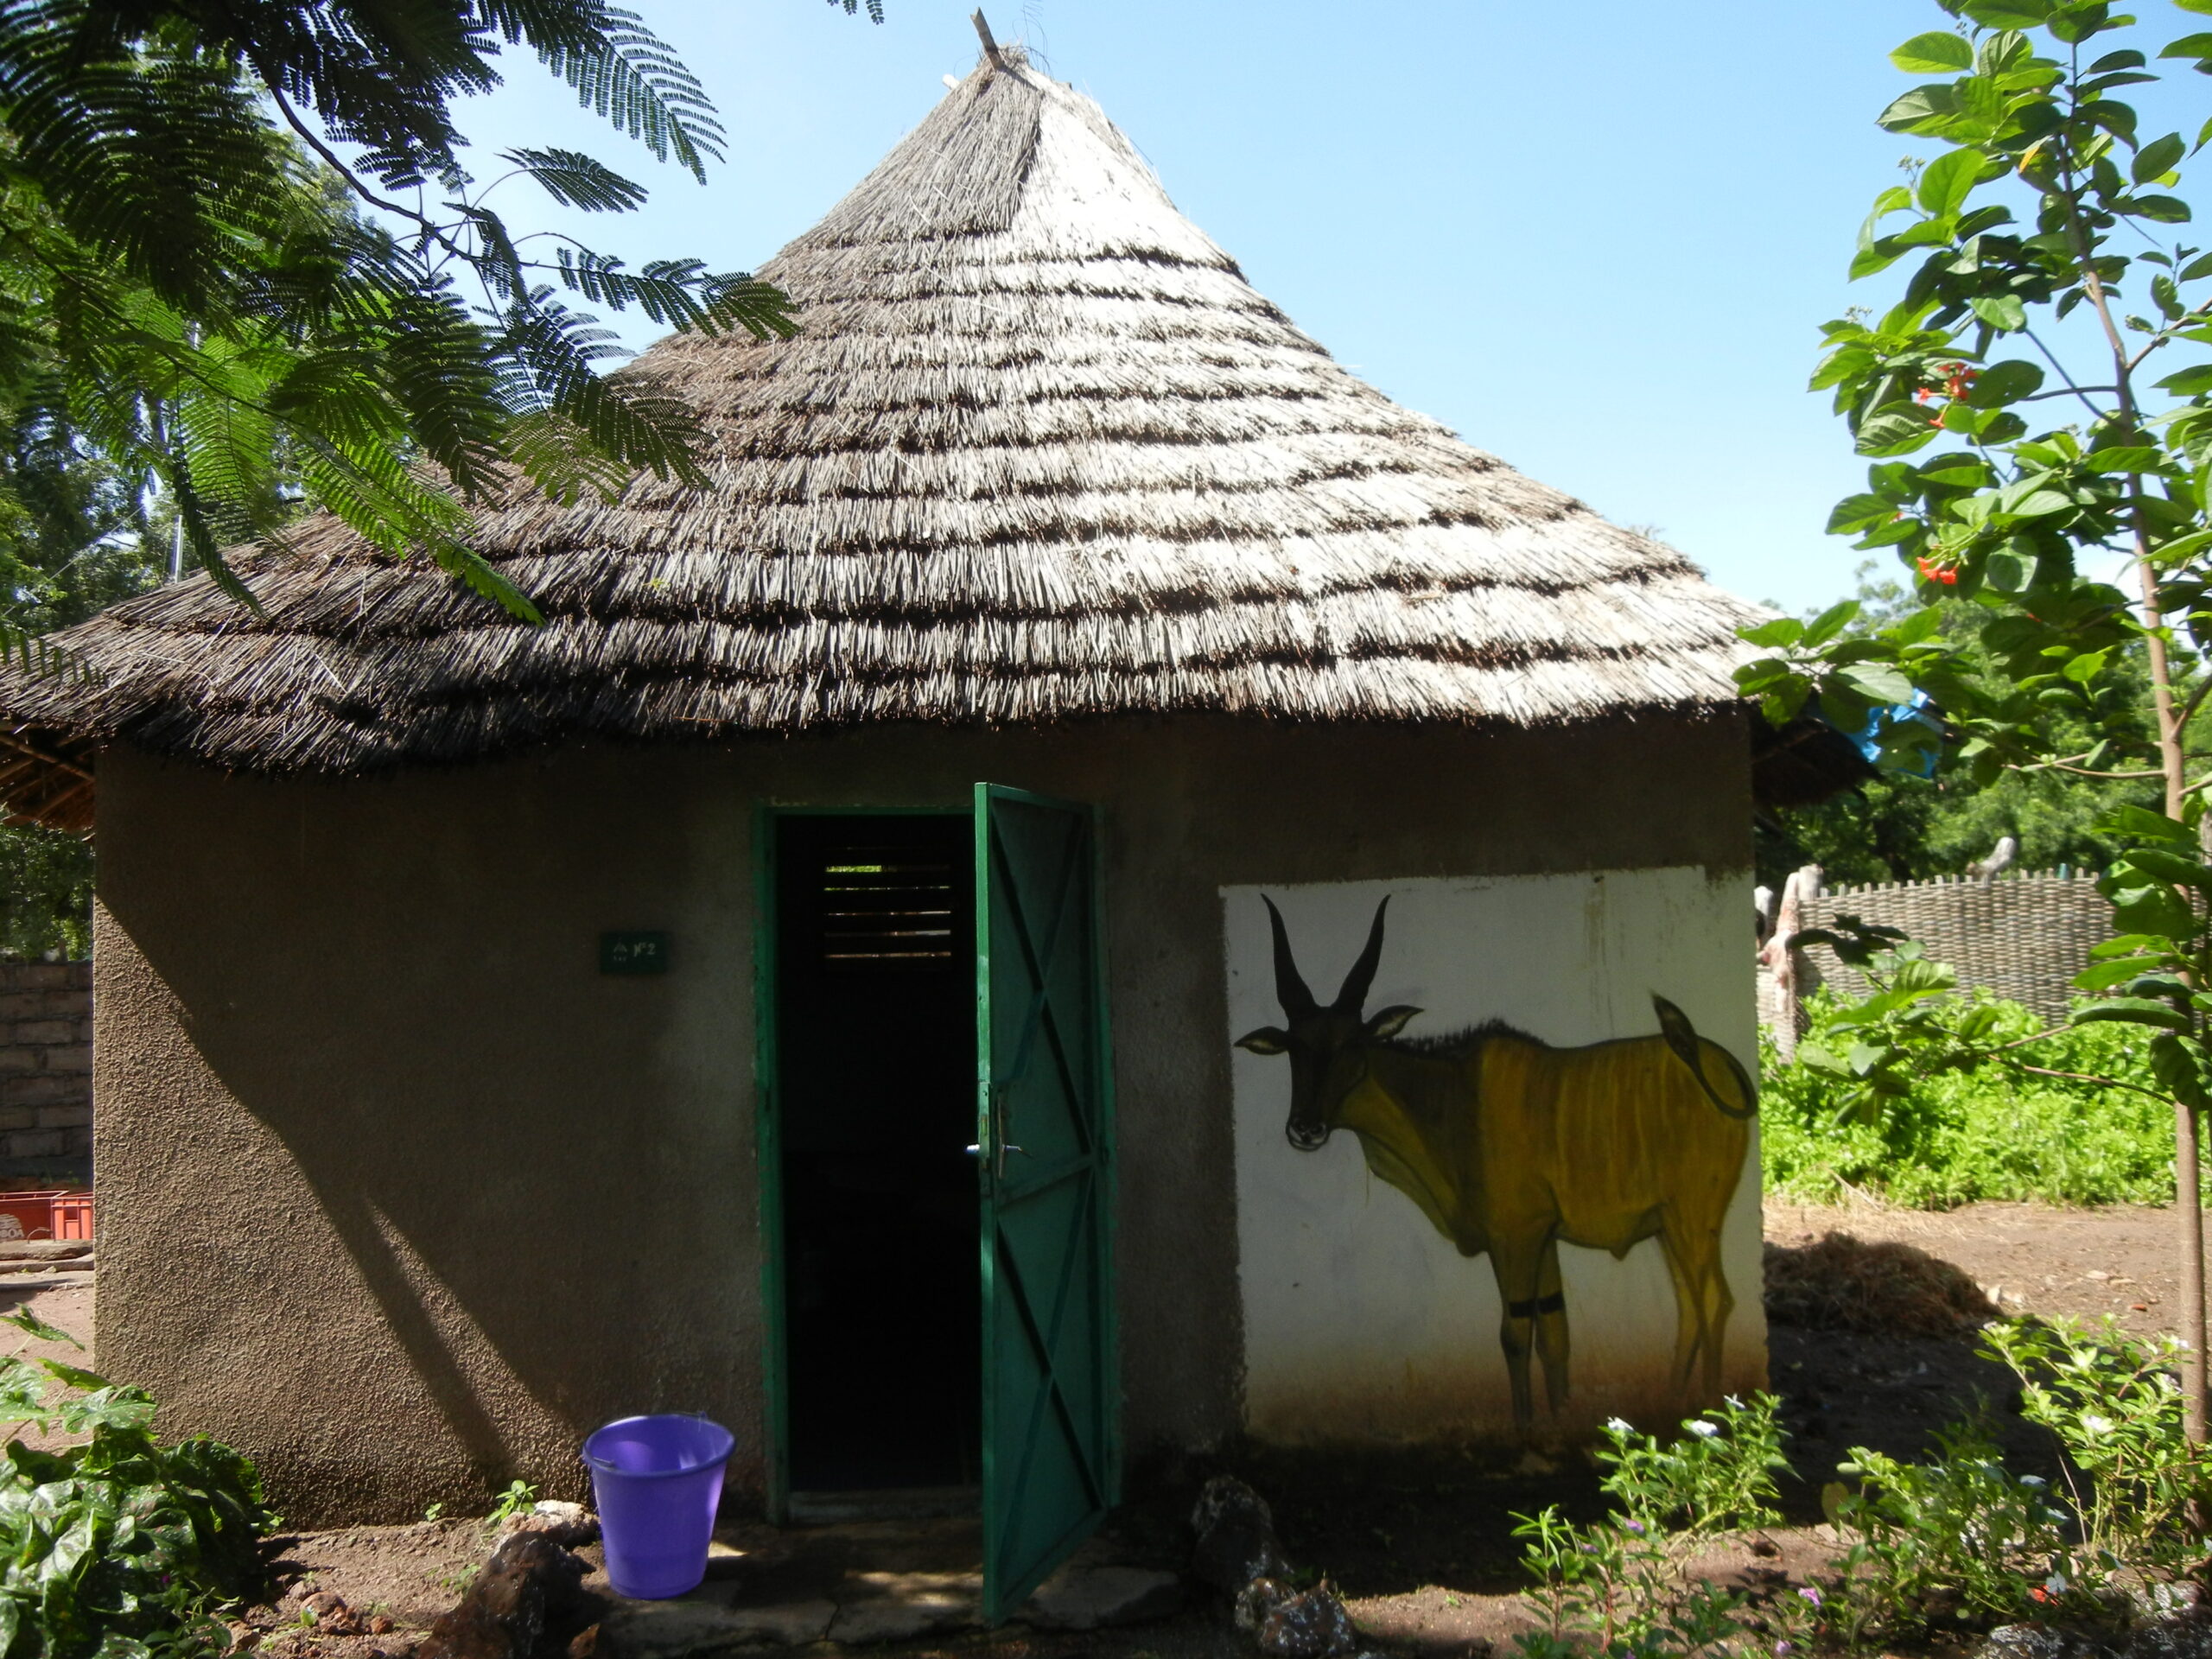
1900 826
2037 409
76 535
237 244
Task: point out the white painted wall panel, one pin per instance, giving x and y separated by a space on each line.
1361 1320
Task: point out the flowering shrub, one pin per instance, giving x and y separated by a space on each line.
1955 1542
1957 1539
1616 1584
2112 1401
1719 1475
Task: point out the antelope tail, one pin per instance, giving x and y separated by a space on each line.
1675 1026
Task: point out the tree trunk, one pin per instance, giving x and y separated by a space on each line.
2191 1213
1779 955
2188 1192
2189 1208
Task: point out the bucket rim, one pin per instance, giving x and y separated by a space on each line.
600 1465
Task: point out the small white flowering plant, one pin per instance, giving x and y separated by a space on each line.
1958 1539
1717 1475
1615 1586
2113 1402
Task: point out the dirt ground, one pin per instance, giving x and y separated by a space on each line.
1419 1542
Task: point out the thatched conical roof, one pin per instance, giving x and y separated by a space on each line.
1040 452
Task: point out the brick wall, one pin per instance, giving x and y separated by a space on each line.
45 1069
2022 936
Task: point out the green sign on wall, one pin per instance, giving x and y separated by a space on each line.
634 953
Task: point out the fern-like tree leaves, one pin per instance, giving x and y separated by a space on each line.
560 457
680 294
762 309
196 286
555 353
42 659
575 180
622 73
159 162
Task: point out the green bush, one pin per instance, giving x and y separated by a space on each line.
1959 1535
1923 1549
1997 1130
1614 1589
2113 1400
120 1546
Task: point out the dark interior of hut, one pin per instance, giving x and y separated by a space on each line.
876 1068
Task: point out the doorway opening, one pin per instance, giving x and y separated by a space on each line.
875 1051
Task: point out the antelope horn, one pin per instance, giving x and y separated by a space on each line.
1290 988
1361 979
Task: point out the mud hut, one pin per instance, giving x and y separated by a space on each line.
804 981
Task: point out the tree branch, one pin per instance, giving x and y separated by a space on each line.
2196 700
431 232
2050 356
2102 1082
2087 772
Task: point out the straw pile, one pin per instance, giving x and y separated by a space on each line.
1041 453
1842 1283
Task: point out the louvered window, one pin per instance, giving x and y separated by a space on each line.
886 909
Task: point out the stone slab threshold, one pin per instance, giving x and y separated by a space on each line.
738 1606
25 1253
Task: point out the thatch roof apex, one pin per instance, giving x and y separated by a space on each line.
1040 452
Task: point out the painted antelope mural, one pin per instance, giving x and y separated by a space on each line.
1513 1147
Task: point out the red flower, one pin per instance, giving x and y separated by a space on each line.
1946 573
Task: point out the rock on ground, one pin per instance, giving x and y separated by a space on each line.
1235 1537
528 1603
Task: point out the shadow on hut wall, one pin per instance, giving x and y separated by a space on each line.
538 1175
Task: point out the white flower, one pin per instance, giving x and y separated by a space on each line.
2033 1480
1702 1429
2093 1424
1619 1425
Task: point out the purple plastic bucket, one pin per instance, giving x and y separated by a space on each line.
656 1481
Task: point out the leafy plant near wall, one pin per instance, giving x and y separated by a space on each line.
1957 1541
1899 826
2037 406
244 271
1615 1585
121 1546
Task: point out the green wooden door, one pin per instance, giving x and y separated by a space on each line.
1046 1133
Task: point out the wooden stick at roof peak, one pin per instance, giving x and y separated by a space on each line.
990 46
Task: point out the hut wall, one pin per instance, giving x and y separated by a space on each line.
400 1194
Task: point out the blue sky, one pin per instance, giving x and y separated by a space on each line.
1596 238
